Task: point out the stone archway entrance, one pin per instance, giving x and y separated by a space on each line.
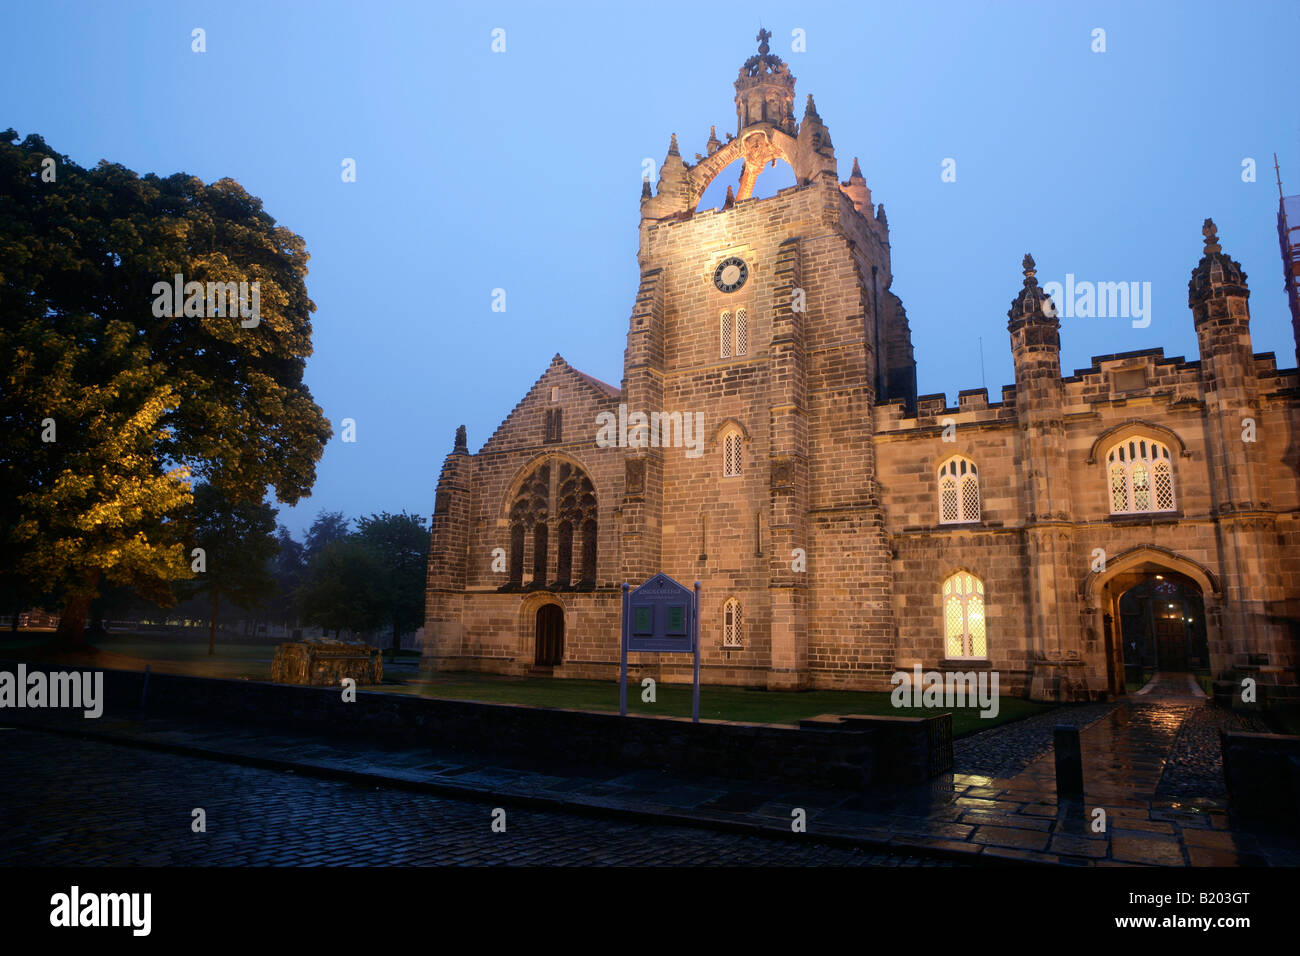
549 636
1156 611
1162 624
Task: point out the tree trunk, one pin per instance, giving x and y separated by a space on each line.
71 633
212 626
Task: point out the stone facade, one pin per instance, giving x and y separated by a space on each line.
812 505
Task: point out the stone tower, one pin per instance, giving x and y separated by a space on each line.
773 319
1236 445
1047 527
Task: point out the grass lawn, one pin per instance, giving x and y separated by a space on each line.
253 662
716 703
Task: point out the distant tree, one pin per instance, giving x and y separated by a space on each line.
238 544
287 568
344 587
402 544
329 526
141 395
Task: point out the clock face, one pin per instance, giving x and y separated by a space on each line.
730 274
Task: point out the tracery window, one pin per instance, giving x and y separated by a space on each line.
963 617
1140 476
959 491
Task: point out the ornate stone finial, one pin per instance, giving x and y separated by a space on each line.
762 38
1211 233
1027 263
730 200
672 146
857 170
462 443
811 108
880 215
645 188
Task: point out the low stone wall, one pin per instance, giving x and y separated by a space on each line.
836 751
1262 773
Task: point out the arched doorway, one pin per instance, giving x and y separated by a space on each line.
1162 625
549 641
1130 596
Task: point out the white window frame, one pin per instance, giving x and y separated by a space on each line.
732 455
959 485
1140 477
733 624
962 595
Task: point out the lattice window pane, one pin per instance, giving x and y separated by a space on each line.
975 626
1118 488
731 456
1141 487
742 335
1164 487
731 628
953 626
970 498
948 507
726 334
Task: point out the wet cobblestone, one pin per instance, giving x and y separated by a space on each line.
1007 750
1194 767
67 802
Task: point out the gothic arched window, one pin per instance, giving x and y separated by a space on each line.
1140 476
731 455
963 617
732 625
568 520
959 491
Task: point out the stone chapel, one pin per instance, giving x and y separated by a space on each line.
1141 511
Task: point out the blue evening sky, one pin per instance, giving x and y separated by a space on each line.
522 170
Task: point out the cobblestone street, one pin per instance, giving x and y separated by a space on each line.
66 802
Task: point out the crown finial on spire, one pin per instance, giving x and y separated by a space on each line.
1211 233
1027 263
762 38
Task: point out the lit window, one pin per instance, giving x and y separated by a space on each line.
1141 476
724 331
959 491
742 337
731 455
731 624
963 617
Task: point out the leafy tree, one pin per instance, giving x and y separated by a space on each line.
329 526
139 399
402 543
238 545
287 568
344 587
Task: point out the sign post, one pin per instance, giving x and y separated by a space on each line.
661 617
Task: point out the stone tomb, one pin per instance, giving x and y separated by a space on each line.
326 663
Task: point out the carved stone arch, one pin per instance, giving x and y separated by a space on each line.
1144 554
757 148
725 426
1136 426
526 470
